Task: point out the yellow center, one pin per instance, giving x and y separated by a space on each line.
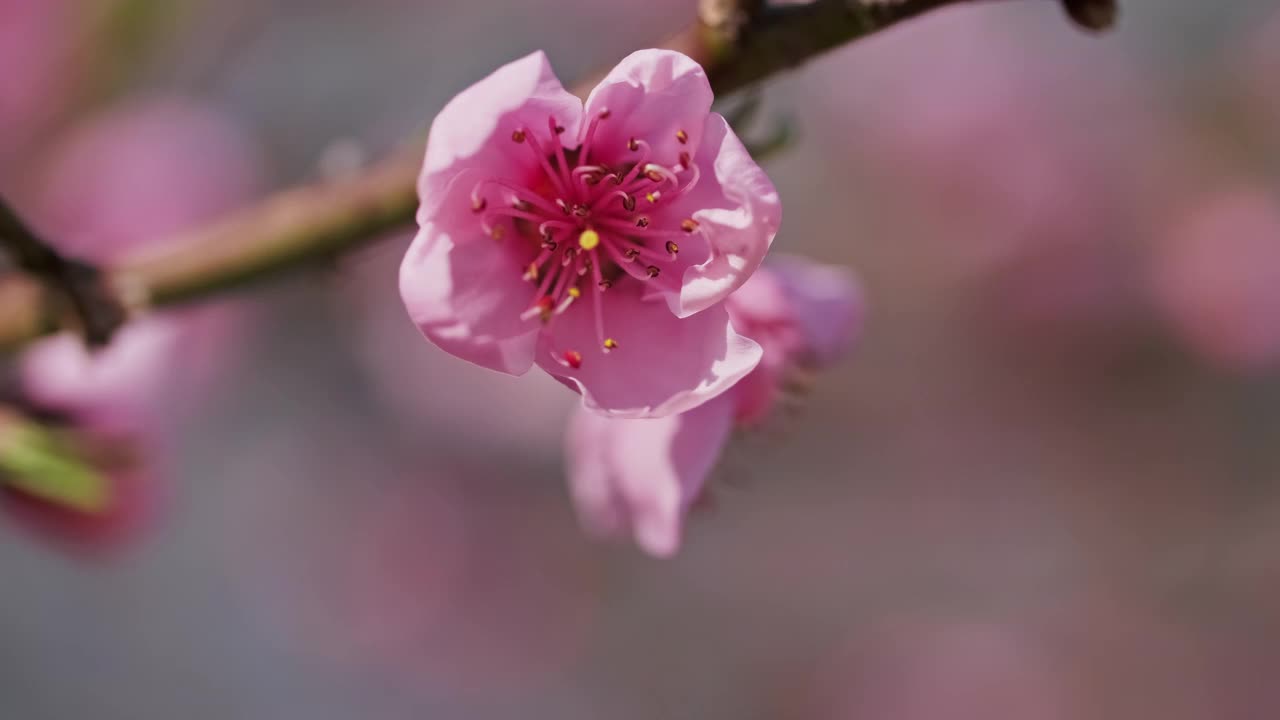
589 239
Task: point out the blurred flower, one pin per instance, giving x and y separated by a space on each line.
642 475
34 51
454 581
646 194
1217 277
944 671
985 153
121 184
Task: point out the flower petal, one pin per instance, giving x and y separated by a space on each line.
823 303
466 297
473 132
652 95
738 212
642 475
662 365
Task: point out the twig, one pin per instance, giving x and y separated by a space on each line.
77 283
739 42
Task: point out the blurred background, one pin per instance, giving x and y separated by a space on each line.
1045 485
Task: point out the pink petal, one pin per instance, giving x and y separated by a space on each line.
641 476
663 364
651 95
824 303
115 387
738 212
466 296
473 132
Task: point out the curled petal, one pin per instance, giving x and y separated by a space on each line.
662 364
466 297
641 476
737 211
472 132
659 96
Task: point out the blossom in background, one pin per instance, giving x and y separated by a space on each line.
596 242
35 52
640 476
1217 277
121 184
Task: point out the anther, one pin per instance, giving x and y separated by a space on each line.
629 202
652 197
682 136
672 247
498 232
580 210
479 204
654 175
631 254
604 114
642 222
549 245
633 145
604 284
652 271
572 358
688 225
684 160
559 129
564 206
610 344
518 136
531 273
589 239
522 205
574 292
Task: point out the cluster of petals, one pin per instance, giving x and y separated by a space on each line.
595 240
641 476
120 184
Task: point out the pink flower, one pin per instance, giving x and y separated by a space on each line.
596 242
1217 278
642 475
118 185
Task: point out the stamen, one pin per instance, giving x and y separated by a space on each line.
557 178
688 225
571 358
610 344
682 136
642 222
684 160
518 135
531 273
628 202
653 271
633 144
498 232
478 204
673 248
541 309
591 135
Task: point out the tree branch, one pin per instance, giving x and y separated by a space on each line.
739 42
76 283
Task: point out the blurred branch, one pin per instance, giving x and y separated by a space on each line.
78 284
739 42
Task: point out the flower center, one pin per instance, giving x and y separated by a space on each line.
595 224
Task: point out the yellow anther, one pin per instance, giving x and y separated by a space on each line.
589 239
575 292
610 344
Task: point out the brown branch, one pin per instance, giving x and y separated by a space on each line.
78 284
739 42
